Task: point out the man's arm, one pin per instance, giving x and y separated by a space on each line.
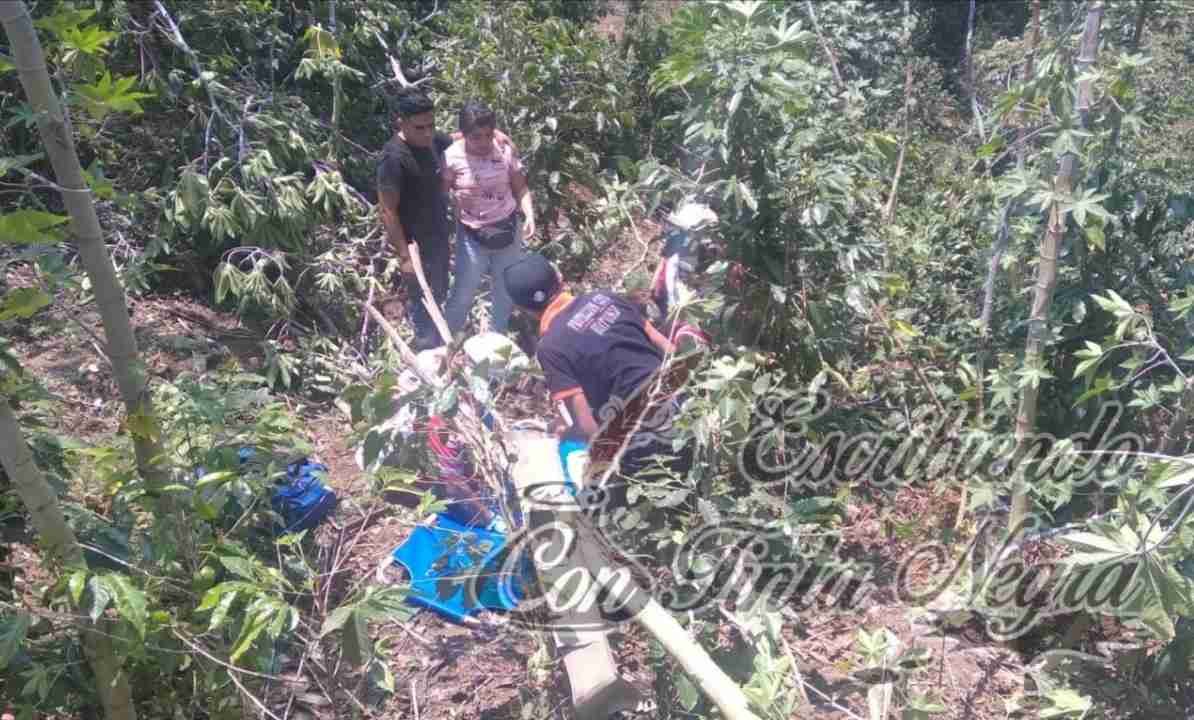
657 337
522 191
584 425
388 201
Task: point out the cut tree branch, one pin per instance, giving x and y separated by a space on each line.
837 74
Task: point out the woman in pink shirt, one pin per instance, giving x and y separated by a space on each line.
489 186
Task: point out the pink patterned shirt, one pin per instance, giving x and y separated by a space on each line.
483 190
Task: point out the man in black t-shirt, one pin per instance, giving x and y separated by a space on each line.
414 206
601 358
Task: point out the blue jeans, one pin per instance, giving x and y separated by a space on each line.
473 261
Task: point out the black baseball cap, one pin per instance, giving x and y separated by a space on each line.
531 281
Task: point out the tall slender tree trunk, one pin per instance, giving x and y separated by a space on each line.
1175 435
1116 113
56 135
336 89
1002 238
889 210
968 65
1047 275
825 46
58 539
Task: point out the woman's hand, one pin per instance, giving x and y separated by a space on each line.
448 175
503 140
528 227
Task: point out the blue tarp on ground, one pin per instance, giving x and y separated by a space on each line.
456 570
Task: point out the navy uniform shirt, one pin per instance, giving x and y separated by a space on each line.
596 344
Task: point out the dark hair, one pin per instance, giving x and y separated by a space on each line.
413 102
474 115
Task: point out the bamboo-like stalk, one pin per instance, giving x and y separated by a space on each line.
429 297
1117 115
336 88
1175 434
1047 273
59 540
539 467
58 141
1002 238
403 349
971 83
837 74
889 211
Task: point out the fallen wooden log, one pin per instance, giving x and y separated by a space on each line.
597 689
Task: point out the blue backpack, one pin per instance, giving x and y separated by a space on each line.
302 499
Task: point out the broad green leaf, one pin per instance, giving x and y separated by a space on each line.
31 227
1085 366
239 566
356 640
89 41
735 101
257 622
76 584
336 620
221 612
107 96
1065 702
1097 542
130 602
8 164
687 693
904 329
1159 622
12 635
214 478
22 303
1184 476
6 64
1101 385
64 20
747 196
101 594
321 44
212 597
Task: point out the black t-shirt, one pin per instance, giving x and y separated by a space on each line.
598 345
415 173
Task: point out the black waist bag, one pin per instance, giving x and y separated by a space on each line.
498 235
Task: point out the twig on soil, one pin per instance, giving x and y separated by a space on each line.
646 248
260 705
299 673
96 343
833 703
328 695
407 629
373 259
234 669
414 697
